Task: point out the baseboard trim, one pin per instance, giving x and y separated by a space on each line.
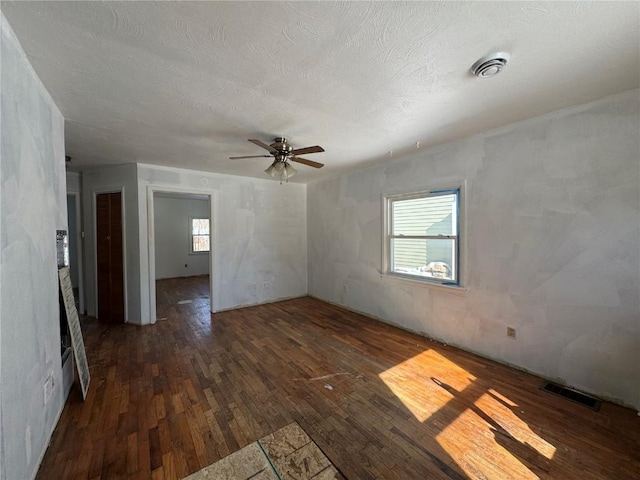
249 305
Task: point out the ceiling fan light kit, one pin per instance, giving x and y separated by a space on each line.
281 170
283 153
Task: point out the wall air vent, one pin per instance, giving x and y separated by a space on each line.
573 395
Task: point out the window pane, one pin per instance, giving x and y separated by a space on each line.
425 216
433 258
200 226
201 243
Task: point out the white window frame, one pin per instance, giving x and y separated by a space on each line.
191 251
459 239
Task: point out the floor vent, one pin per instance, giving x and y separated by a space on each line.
573 395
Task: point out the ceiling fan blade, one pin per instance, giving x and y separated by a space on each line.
251 156
311 163
263 145
301 151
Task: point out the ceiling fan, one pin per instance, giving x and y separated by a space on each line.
283 153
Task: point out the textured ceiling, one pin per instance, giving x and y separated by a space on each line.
186 83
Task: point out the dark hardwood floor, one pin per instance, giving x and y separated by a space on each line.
167 400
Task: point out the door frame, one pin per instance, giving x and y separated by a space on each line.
94 195
151 240
80 244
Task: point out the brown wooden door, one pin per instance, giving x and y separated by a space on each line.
110 257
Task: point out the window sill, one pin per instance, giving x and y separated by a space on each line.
454 289
198 253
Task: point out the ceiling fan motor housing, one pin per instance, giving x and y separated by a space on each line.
281 145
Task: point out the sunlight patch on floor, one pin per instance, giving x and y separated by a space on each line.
501 398
411 381
507 415
480 449
479 429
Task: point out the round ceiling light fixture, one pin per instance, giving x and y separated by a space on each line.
490 65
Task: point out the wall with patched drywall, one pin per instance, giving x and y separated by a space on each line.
258 229
172 237
104 180
552 233
74 190
74 182
33 207
72 218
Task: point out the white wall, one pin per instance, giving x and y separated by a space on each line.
74 182
173 242
76 260
112 179
553 232
73 240
33 207
259 233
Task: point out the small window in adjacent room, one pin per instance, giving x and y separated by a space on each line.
422 236
199 235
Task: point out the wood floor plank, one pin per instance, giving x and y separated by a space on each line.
169 399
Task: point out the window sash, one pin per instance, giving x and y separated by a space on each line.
428 237
198 245
199 231
199 226
454 237
435 272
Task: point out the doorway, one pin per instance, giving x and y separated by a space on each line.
110 257
180 272
182 246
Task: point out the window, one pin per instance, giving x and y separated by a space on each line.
422 238
199 235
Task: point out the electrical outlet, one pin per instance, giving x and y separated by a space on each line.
345 288
265 285
511 332
48 389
